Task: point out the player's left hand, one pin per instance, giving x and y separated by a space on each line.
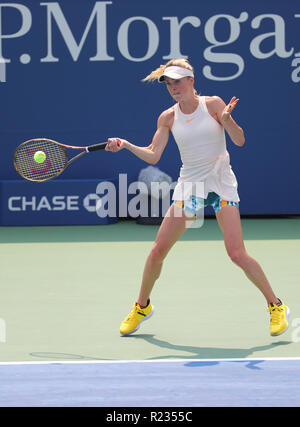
226 114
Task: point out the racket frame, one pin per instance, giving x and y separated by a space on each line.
85 150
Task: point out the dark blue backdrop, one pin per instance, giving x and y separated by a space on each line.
75 75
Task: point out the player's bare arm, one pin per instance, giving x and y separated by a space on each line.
222 113
152 153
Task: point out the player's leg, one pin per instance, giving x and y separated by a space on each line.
229 221
173 226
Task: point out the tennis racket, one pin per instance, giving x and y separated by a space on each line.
53 158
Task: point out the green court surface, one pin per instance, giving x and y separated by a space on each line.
65 290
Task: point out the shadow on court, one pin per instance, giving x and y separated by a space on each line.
193 352
65 356
204 352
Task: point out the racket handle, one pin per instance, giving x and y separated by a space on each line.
96 147
99 146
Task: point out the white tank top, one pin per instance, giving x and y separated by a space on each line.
205 159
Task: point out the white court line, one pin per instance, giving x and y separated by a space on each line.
84 362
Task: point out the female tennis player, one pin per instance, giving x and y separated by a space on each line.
198 124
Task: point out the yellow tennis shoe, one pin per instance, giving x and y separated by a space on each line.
279 314
134 319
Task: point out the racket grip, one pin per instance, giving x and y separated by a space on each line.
96 147
99 146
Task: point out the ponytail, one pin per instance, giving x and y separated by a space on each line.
155 74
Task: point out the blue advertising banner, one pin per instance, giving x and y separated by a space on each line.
58 202
72 71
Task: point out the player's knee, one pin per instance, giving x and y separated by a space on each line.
159 252
237 256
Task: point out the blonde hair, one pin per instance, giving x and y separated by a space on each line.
158 72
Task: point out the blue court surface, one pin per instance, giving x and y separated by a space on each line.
168 383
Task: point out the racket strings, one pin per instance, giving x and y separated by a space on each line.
55 162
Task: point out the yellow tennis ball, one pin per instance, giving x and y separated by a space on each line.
39 157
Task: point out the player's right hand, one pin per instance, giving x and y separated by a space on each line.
115 144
